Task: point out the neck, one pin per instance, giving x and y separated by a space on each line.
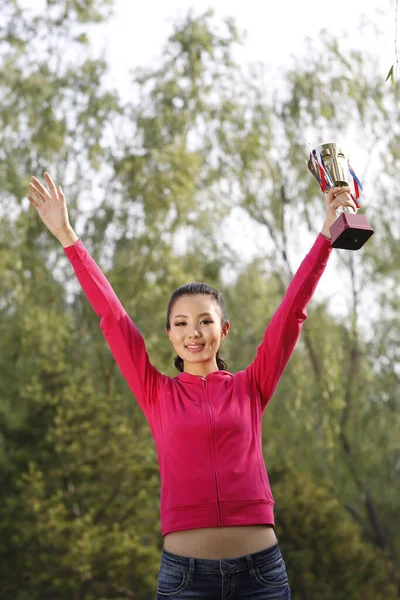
201 369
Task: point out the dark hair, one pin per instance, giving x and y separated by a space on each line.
197 288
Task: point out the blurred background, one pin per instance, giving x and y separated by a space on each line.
179 134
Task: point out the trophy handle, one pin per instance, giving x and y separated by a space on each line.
345 209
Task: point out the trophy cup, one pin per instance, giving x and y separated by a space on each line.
331 168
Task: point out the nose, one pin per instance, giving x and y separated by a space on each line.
194 334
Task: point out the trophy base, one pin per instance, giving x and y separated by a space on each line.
350 231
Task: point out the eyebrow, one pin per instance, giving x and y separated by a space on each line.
206 314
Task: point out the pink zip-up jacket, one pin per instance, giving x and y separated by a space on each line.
207 430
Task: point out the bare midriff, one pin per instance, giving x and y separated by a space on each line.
220 542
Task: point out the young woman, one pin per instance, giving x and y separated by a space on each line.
216 503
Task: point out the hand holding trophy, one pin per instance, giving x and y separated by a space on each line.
331 168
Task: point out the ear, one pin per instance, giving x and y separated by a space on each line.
168 332
224 330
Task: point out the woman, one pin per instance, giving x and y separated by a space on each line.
216 503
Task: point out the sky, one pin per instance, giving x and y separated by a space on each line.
275 32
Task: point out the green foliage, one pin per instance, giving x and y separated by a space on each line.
79 483
83 499
390 75
323 548
53 104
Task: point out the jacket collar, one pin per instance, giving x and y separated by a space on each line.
198 379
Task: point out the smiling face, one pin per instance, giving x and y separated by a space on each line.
196 332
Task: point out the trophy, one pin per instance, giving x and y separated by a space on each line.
331 168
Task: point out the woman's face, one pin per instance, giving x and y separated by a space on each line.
196 332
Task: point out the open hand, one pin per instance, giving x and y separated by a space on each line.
50 204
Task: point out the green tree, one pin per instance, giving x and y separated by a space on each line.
340 392
79 486
70 504
323 547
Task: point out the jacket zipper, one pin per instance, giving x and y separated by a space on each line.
213 456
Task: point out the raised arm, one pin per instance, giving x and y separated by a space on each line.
123 337
284 329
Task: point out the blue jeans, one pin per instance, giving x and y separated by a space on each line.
258 576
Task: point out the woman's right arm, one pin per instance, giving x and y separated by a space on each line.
125 341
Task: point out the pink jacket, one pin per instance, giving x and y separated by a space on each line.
207 430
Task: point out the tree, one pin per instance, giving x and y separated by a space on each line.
79 487
343 383
323 546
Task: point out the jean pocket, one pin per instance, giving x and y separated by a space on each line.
273 576
171 580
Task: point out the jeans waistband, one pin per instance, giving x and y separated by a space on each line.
223 565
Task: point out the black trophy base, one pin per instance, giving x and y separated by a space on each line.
350 231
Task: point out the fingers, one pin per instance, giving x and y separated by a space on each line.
39 193
336 191
61 194
34 203
52 187
341 196
36 196
39 187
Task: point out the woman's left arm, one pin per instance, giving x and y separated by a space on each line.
283 331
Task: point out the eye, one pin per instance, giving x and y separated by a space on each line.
206 321
179 324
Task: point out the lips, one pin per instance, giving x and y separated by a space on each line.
194 347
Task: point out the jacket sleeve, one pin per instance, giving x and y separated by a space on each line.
284 329
123 337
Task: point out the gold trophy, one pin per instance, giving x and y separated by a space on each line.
331 168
